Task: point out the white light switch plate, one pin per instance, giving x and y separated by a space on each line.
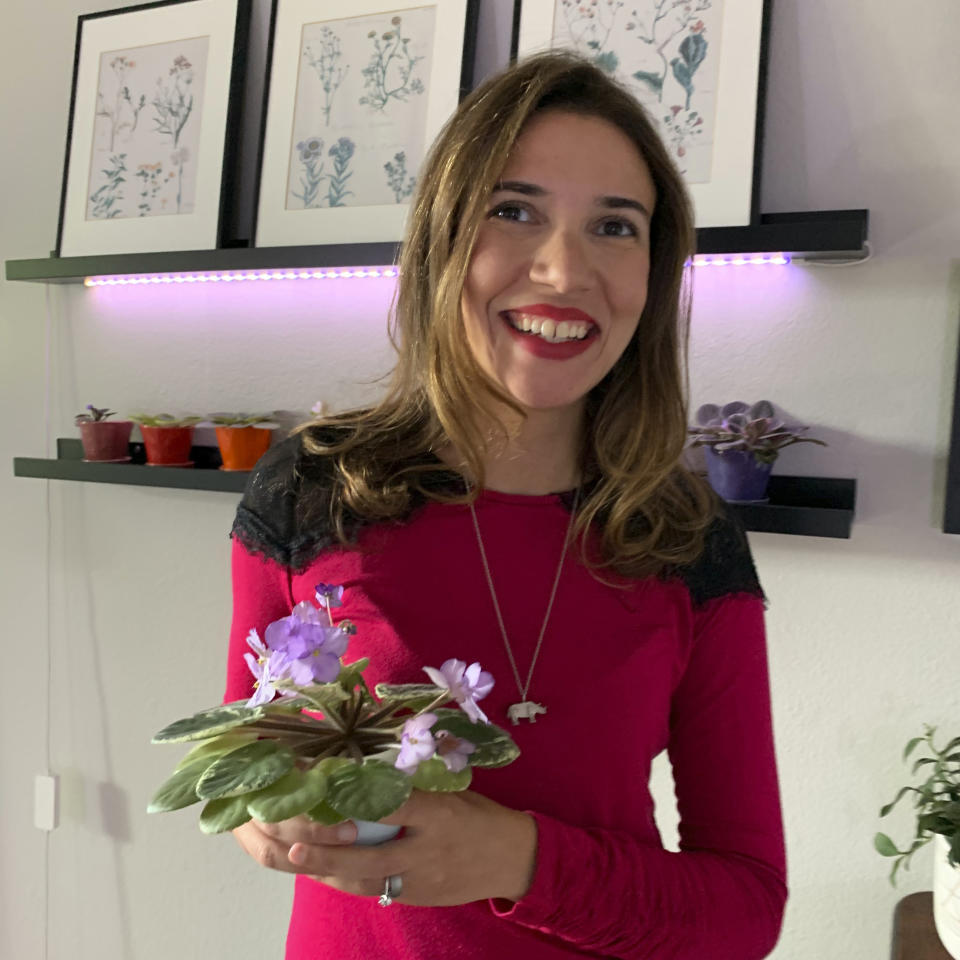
46 801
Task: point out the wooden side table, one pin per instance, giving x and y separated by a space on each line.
914 935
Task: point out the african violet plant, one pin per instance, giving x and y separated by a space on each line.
740 426
239 419
937 802
163 420
94 415
271 758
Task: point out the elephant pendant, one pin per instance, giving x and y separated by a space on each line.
527 710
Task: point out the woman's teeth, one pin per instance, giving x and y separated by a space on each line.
548 330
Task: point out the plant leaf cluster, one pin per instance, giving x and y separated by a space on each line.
279 759
741 426
936 801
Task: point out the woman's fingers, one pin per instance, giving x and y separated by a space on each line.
353 863
304 830
266 850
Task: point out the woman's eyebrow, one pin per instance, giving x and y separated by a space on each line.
533 190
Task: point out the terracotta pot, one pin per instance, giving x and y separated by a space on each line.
106 440
736 475
242 447
168 446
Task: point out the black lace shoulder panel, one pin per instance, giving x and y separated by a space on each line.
285 513
726 564
265 519
271 522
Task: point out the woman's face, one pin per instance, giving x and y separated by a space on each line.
558 276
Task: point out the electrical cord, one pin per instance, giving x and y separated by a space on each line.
48 563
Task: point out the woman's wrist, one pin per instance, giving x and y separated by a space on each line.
520 844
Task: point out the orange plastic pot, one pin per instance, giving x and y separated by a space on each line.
242 447
168 446
106 440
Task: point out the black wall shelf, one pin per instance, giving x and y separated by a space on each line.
824 234
805 506
70 465
808 506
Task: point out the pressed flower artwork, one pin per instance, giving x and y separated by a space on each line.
146 129
666 52
360 103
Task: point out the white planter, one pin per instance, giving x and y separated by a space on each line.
946 897
369 834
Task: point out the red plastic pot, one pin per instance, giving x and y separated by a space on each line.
242 447
106 440
168 446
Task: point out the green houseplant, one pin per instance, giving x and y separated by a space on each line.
742 442
937 804
104 440
167 439
314 739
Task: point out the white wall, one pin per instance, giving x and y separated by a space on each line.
863 632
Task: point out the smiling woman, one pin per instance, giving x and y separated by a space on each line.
521 488
553 232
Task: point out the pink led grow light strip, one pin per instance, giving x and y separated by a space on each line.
740 260
231 276
344 273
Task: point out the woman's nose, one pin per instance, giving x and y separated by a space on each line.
562 262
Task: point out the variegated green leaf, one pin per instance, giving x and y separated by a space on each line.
293 794
208 723
246 769
218 746
495 747
224 814
180 789
434 776
368 791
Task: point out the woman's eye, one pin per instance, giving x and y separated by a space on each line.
510 211
618 228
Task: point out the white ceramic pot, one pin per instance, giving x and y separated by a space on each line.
946 897
369 833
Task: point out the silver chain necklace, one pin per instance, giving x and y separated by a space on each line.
525 709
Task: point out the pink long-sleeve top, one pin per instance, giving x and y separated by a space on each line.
674 663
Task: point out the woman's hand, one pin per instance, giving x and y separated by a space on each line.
457 848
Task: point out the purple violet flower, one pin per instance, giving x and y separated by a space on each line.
466 685
314 648
328 593
453 750
267 670
416 743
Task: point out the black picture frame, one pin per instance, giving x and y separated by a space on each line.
275 237
751 213
213 233
951 511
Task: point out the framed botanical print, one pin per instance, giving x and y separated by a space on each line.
151 134
698 66
357 91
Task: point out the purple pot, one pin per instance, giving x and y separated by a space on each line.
736 474
106 439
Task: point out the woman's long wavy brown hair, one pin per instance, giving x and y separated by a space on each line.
649 507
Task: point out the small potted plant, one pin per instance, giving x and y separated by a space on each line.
243 438
167 439
104 440
937 805
742 442
272 757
